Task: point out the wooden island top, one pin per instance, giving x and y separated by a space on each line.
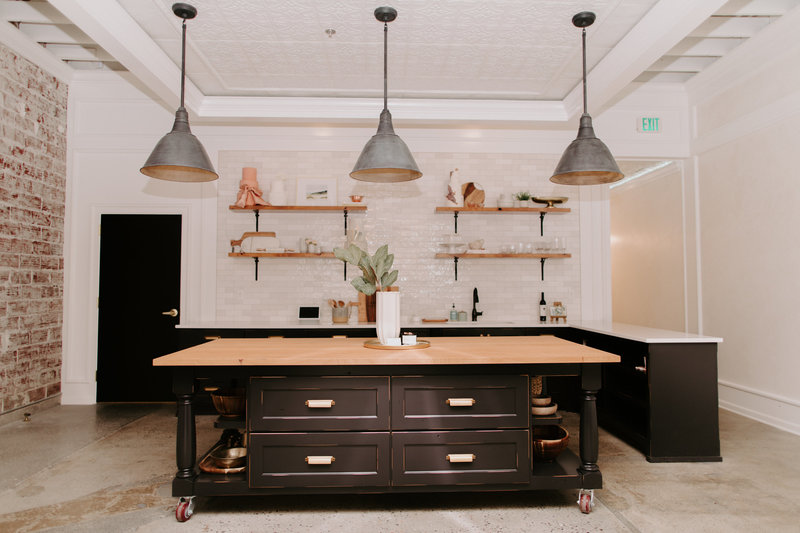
542 349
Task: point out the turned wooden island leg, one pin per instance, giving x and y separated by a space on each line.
589 439
185 442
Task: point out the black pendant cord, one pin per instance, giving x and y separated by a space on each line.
585 107
183 61
385 65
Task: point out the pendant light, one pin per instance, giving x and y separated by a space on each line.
385 158
586 161
179 156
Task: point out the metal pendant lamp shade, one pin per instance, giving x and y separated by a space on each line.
385 158
179 155
587 160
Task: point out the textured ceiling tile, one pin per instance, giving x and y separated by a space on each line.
512 48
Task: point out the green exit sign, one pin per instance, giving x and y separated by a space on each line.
649 125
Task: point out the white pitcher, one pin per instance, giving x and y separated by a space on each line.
277 192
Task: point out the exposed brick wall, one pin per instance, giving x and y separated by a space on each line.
33 143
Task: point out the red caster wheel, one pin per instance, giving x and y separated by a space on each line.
586 500
185 509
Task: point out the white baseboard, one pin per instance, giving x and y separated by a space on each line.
78 393
772 409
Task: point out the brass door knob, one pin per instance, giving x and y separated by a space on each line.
171 312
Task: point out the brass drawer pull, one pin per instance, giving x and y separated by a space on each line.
460 457
320 404
461 402
642 369
320 459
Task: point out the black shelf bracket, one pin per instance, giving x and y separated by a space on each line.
255 211
345 240
455 224
255 259
455 266
543 260
541 223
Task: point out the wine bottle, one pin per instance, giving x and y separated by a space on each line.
542 310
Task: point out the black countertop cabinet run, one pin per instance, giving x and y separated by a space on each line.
661 398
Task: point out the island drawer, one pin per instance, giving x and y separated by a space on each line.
319 459
460 457
318 403
460 402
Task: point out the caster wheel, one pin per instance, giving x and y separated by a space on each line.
586 501
185 509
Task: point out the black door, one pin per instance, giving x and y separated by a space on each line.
140 262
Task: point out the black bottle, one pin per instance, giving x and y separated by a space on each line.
542 310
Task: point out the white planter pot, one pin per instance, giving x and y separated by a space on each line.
387 315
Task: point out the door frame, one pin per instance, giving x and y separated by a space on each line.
94 269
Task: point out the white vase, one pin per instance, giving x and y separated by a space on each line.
387 315
277 192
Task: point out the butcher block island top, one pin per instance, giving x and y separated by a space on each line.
543 349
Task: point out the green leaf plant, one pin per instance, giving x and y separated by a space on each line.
375 271
523 196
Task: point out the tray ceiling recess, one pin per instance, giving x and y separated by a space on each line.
249 59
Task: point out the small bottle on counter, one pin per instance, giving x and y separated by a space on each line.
462 316
542 310
453 314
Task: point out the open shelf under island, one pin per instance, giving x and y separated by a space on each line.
387 423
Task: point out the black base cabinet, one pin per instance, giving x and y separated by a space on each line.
444 428
660 398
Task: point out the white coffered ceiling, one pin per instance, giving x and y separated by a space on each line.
255 56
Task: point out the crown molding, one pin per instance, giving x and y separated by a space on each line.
368 109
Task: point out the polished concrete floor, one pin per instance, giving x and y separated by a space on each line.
109 468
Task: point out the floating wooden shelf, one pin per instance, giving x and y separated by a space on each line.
353 207
511 256
326 255
541 257
541 210
344 209
449 209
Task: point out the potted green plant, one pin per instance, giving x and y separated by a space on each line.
376 275
376 278
522 198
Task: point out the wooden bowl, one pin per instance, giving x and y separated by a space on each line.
540 400
549 441
544 410
229 457
229 403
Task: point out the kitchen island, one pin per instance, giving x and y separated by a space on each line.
330 415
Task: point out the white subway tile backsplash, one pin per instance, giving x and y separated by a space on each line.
403 216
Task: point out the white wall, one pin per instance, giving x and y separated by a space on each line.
746 110
113 127
648 277
401 215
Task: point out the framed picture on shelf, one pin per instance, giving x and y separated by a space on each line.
316 191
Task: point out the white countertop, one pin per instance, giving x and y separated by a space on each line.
616 329
642 333
325 324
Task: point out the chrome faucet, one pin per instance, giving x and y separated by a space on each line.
475 312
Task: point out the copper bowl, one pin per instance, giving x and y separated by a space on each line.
549 441
229 457
229 403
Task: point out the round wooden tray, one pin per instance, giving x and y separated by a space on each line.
375 344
